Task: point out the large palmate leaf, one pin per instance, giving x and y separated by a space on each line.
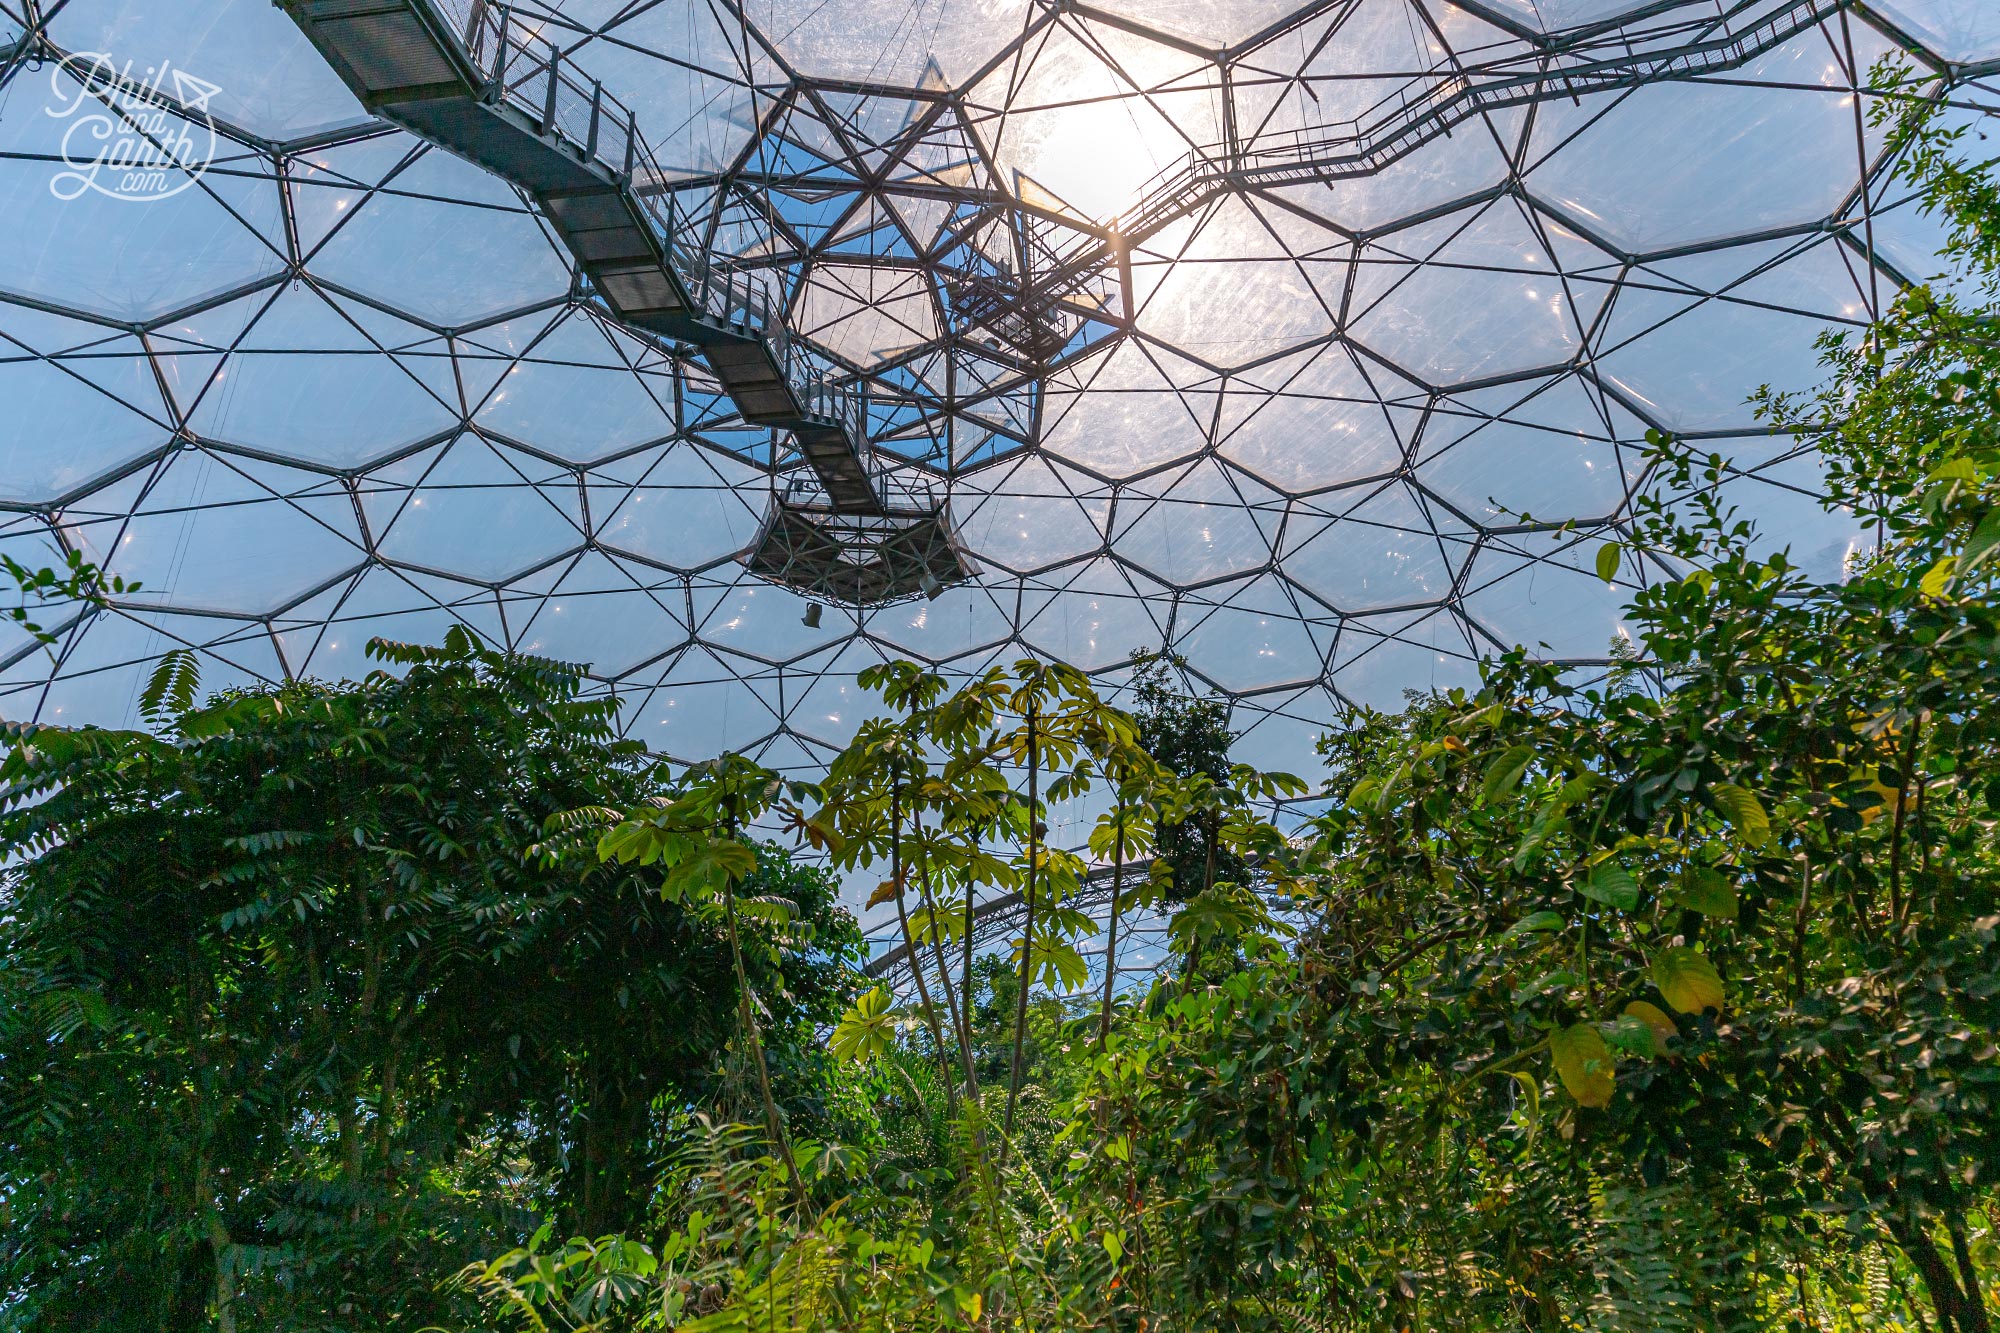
867 1029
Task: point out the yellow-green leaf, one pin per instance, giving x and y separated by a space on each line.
1937 579
1745 813
1609 556
1688 980
1654 1017
867 1029
1584 1064
1953 470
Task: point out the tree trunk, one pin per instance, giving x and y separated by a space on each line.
1975 1300
1027 931
958 1008
1111 941
604 1198
747 1014
1956 1309
910 942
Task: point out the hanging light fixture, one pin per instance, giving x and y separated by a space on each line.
812 615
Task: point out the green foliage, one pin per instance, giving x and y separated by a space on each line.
1666 1260
867 1029
1187 733
78 582
307 999
1691 969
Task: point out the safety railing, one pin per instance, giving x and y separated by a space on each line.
526 68
1449 92
905 492
909 490
827 399
727 295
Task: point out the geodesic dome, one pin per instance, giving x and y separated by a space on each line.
1309 341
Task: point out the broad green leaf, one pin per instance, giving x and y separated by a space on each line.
1688 980
1584 1064
736 859
1632 1036
1745 813
1611 885
1559 979
866 1029
1984 540
1656 1018
1059 966
1535 921
1706 891
1609 556
1953 470
1504 773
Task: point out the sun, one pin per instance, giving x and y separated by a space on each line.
1094 155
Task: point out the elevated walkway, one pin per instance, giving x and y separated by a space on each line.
1670 42
473 79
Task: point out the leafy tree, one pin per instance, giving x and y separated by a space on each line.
1691 970
1188 734
307 1002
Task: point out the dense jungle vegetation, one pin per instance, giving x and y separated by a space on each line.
1662 999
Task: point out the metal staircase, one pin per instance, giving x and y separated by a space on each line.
478 81
1687 41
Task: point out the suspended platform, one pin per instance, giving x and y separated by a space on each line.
909 549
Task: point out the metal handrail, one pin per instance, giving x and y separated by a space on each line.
529 72
1442 96
904 492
